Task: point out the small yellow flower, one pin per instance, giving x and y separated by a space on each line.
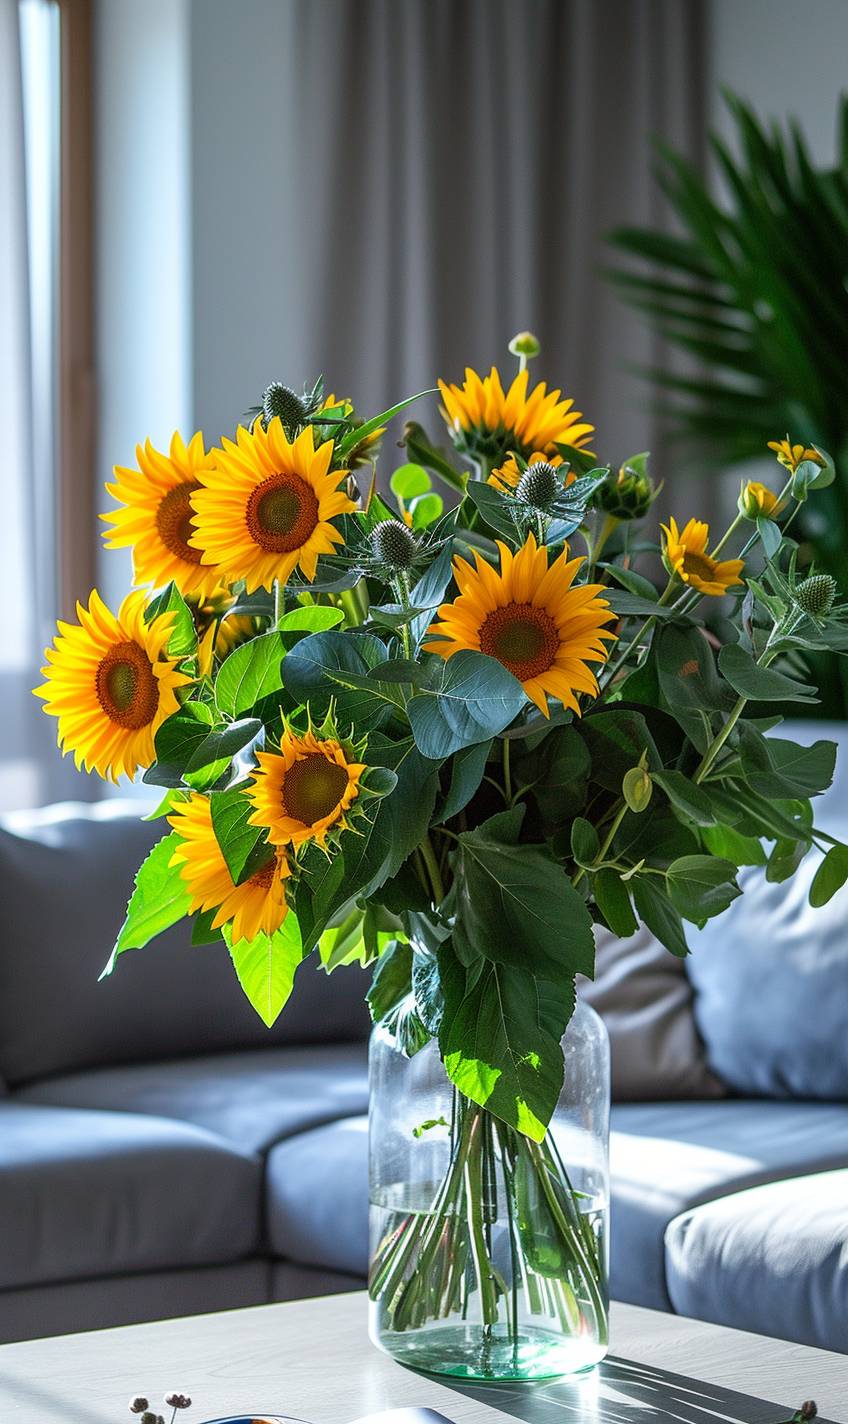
791 455
257 905
757 501
506 478
532 618
111 685
302 792
685 554
483 419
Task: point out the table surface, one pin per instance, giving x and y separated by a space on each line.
312 1359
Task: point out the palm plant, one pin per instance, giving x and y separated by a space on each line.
755 288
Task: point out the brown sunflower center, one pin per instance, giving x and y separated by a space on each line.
701 565
313 788
522 637
282 513
126 688
264 878
173 521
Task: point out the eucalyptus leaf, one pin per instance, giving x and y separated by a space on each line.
473 697
701 886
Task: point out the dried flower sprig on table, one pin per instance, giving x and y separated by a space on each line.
175 1400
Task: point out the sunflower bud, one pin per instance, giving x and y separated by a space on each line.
282 401
816 595
539 485
757 501
627 493
524 343
393 544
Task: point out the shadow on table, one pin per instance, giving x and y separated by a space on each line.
623 1392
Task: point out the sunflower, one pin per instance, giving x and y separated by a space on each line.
155 520
367 448
757 501
685 554
531 618
303 791
110 685
257 905
507 477
790 456
485 422
266 506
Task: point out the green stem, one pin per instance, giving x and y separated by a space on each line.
507 773
402 590
605 845
279 601
428 855
473 1178
640 633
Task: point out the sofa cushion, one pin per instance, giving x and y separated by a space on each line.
646 1001
316 1207
771 974
773 1259
664 1158
669 1157
252 1099
65 876
102 1193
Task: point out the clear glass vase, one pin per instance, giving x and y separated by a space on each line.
488 1250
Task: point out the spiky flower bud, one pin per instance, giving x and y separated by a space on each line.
808 1409
139 1404
178 1401
282 401
148 1417
524 343
393 544
539 485
627 493
816 595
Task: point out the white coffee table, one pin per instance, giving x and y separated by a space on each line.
312 1359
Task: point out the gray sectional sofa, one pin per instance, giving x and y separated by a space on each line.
161 1153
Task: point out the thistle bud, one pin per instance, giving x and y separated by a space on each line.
524 343
816 595
627 493
148 1417
539 485
178 1401
393 544
808 1409
139 1404
757 501
282 401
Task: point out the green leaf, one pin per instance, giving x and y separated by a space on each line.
613 901
633 582
830 876
558 772
250 673
426 509
730 844
585 846
661 917
701 886
265 967
467 769
514 903
687 674
243 846
770 535
473 697
213 756
182 641
616 738
497 509
686 797
315 618
634 605
306 677
778 768
176 741
159 900
784 860
758 683
202 932
500 1038
359 433
391 981
409 480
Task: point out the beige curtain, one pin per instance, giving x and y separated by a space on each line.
426 177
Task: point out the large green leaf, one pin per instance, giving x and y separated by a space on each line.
159 900
306 676
830 876
250 673
662 918
472 698
467 769
176 741
757 683
243 846
182 640
514 903
613 901
212 757
701 886
265 967
500 1038
776 767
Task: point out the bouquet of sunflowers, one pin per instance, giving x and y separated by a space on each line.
446 733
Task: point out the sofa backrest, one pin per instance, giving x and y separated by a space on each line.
66 874
771 974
